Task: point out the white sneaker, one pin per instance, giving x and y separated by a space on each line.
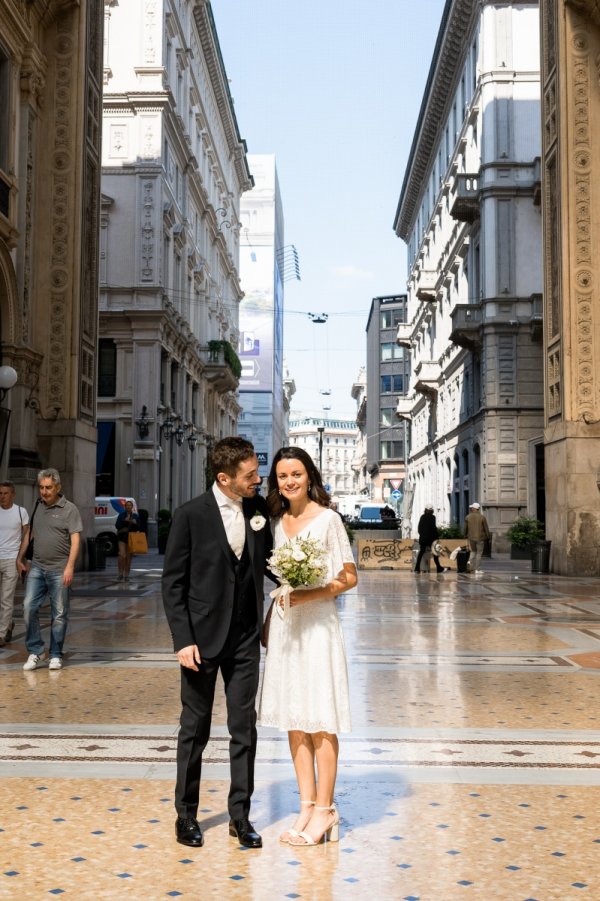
34 660
55 663
478 572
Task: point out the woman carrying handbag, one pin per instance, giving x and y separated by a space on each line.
127 522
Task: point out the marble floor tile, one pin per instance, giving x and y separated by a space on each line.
472 771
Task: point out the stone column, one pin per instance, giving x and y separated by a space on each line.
571 136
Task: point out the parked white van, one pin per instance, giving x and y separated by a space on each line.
105 516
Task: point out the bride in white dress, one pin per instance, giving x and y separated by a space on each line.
305 682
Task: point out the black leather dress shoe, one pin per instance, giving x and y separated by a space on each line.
245 833
188 832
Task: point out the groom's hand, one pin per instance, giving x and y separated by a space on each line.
190 657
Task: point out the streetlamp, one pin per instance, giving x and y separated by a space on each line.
8 380
320 430
143 424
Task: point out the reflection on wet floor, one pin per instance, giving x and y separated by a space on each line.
473 770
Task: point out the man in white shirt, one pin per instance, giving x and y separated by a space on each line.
13 525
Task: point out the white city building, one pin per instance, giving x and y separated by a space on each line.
469 212
263 397
174 167
332 445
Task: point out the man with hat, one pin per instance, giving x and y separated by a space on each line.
477 532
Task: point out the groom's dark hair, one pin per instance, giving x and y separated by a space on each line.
228 453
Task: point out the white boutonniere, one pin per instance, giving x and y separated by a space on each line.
258 522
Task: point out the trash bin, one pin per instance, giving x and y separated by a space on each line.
462 558
540 557
96 554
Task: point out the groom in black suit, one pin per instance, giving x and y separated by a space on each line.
213 596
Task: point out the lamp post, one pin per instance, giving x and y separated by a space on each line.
320 430
8 379
143 424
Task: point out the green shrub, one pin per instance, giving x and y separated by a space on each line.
524 531
453 531
231 358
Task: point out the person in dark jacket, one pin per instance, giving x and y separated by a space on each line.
428 533
127 521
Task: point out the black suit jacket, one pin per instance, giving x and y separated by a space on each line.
198 582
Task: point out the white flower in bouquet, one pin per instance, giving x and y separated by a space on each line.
299 562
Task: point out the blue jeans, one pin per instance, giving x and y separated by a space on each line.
39 584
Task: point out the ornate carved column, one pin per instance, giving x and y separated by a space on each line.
571 131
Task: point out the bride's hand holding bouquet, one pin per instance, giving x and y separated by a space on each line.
299 563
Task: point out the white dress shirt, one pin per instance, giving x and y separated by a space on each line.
232 515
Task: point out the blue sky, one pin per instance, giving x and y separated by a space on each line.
333 88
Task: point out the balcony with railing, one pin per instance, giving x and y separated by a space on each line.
464 204
222 368
427 373
467 320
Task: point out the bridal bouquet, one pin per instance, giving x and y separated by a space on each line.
300 562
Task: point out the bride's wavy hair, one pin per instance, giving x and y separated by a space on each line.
276 502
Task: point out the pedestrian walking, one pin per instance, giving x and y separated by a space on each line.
477 532
13 528
55 529
428 534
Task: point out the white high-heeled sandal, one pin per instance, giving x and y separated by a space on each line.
332 834
292 833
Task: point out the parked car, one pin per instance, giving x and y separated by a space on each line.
105 516
375 516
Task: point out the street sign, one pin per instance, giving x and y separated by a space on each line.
263 458
327 487
395 483
396 495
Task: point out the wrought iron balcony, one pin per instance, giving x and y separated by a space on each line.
465 200
403 336
467 319
427 373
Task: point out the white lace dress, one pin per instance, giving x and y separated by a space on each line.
305 682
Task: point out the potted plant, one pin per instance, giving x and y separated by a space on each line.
164 527
522 534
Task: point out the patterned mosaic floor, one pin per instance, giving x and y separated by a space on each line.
473 768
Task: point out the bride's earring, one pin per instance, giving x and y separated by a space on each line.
310 489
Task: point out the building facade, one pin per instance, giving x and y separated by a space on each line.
264 402
571 129
174 168
470 214
331 444
388 378
50 106
360 472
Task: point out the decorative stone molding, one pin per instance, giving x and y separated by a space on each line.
584 280
218 78
147 232
589 9
60 271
